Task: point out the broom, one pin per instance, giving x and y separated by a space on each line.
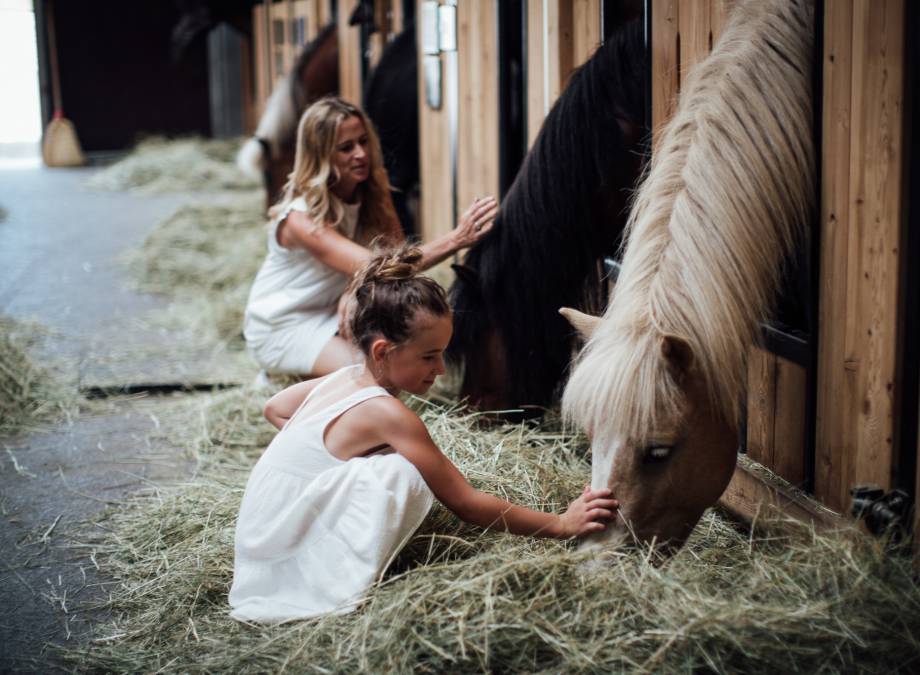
60 146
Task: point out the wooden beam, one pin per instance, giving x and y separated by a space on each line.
665 61
761 405
350 84
536 97
478 137
434 156
693 23
586 32
862 251
756 492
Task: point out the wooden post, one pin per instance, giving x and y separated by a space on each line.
478 142
434 154
665 62
350 85
861 246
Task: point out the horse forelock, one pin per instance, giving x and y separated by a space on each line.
554 224
727 196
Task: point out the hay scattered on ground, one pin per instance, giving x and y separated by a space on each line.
31 397
459 600
205 257
176 165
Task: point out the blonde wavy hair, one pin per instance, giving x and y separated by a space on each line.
314 174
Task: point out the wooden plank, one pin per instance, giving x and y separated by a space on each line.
790 424
761 405
350 84
836 369
260 67
478 134
324 12
719 12
434 155
693 25
586 31
755 492
875 205
665 64
536 104
559 40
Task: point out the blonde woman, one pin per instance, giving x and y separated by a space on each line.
336 201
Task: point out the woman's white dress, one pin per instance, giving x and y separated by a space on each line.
314 532
291 312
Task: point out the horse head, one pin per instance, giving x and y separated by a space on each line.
659 384
479 343
673 455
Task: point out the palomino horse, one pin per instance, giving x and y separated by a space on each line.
563 213
730 190
270 153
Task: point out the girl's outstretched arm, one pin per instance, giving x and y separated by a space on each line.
406 433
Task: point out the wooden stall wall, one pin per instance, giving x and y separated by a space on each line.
863 233
561 35
275 45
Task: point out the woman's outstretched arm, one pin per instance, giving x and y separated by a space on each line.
337 251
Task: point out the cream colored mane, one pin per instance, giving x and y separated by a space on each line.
729 190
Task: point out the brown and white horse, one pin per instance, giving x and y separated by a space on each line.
731 187
270 152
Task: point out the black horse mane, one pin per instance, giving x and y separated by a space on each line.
564 212
391 101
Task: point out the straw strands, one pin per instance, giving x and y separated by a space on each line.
30 396
205 257
461 600
176 165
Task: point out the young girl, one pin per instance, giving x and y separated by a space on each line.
353 471
336 201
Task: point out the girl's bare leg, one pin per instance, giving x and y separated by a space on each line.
337 353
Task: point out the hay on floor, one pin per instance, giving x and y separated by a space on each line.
31 397
176 165
460 600
204 257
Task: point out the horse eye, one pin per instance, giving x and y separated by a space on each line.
657 453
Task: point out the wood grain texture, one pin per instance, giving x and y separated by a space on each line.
755 493
861 222
586 32
790 424
478 137
536 68
693 23
665 61
350 84
434 157
761 405
836 369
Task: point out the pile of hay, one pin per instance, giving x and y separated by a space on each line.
460 600
205 257
30 396
176 165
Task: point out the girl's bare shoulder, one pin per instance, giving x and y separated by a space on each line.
389 411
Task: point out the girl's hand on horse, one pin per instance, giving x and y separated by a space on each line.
476 222
586 514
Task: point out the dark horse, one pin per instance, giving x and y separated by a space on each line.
563 214
391 101
270 153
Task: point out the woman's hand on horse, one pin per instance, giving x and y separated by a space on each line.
476 222
587 514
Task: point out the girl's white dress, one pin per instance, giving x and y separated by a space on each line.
314 532
291 312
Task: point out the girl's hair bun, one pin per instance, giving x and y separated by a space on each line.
388 292
393 265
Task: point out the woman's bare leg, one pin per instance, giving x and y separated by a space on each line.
336 354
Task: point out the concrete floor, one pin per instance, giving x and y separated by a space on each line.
59 265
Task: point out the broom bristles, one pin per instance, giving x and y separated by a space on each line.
61 146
